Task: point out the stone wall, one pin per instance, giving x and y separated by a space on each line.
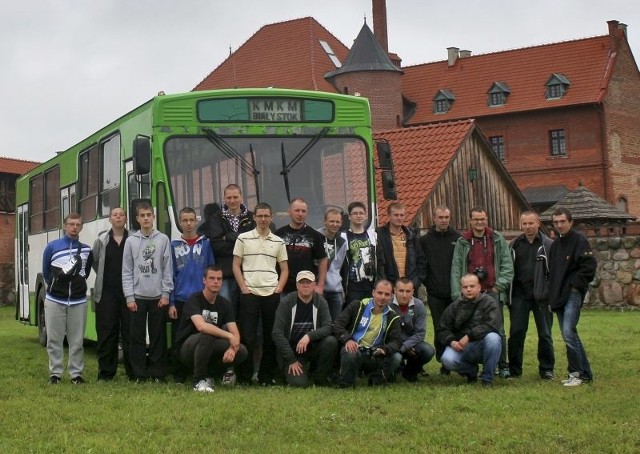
7 285
617 282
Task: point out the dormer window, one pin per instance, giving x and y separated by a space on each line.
442 101
557 86
498 93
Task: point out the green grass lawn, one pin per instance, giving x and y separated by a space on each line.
438 414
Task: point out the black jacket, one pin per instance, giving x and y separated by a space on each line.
541 268
437 248
387 267
571 265
474 318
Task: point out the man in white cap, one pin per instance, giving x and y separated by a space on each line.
302 334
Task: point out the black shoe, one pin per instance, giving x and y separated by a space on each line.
472 379
104 378
267 383
487 384
345 385
54 380
159 380
547 375
141 380
410 377
77 380
444 371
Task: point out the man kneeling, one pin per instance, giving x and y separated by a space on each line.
208 340
302 334
470 328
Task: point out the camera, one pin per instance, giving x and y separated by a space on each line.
369 269
481 273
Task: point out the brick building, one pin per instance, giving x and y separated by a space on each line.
557 115
10 170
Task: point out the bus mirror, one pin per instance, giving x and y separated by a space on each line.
389 191
141 155
385 161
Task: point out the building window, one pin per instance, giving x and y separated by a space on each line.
558 144
623 204
498 94
442 101
557 86
89 183
497 143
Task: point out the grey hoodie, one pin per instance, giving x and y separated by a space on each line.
147 270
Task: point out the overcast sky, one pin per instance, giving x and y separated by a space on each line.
68 67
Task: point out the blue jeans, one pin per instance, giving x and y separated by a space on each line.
231 291
423 354
335 300
485 351
568 318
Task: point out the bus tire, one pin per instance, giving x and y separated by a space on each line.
42 326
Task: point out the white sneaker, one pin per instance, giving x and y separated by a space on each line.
572 376
229 378
203 386
573 381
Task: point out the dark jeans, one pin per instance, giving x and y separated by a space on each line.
356 291
112 323
568 318
252 308
519 316
421 355
437 306
502 362
157 358
204 352
352 363
317 363
335 300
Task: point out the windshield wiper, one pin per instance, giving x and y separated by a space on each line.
286 168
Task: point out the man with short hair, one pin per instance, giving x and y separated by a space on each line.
191 255
112 315
530 266
147 283
208 338
437 246
413 326
572 266
302 335
369 332
222 228
484 252
255 257
399 254
360 270
336 248
470 328
66 264
305 247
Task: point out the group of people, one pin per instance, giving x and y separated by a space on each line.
308 306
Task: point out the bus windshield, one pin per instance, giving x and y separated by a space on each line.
325 171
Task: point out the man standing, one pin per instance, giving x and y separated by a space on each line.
470 328
112 315
437 246
369 332
305 247
360 268
530 251
484 252
336 248
223 228
413 324
66 264
255 256
302 334
147 282
208 337
571 267
399 253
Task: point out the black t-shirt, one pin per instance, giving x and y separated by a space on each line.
219 314
524 267
112 277
302 324
305 247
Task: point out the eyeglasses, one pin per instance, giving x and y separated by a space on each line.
478 221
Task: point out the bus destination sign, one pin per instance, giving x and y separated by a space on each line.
275 110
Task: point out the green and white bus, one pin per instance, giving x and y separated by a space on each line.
182 150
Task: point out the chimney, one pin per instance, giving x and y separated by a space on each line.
452 55
380 23
465 53
623 27
613 26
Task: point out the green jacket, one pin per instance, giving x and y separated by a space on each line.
502 264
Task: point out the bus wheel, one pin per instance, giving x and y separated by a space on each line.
42 327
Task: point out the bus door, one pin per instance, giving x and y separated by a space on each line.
22 262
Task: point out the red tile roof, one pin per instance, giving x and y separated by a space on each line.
16 166
420 156
287 55
585 62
